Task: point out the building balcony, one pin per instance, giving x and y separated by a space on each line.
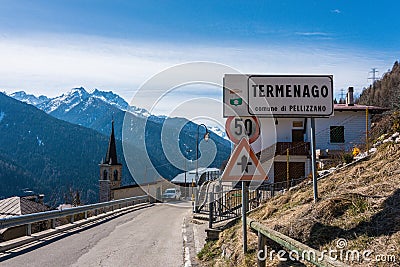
295 148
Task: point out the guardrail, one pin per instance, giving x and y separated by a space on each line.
29 219
309 254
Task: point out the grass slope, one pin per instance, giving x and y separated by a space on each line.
360 204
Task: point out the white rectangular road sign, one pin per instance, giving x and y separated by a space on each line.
278 96
235 95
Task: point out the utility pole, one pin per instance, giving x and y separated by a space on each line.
185 180
374 71
287 169
366 129
341 100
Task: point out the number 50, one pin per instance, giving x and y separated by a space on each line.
248 126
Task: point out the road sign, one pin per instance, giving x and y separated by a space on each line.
235 95
238 127
244 165
278 96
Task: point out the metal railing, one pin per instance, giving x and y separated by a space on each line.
295 148
222 203
225 203
308 254
228 205
29 219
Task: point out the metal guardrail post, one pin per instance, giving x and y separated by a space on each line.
196 200
29 229
28 219
211 209
314 256
220 199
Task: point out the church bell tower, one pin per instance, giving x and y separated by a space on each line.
110 171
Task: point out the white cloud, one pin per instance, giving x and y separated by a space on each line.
312 33
336 11
51 65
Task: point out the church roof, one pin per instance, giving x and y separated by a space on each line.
111 156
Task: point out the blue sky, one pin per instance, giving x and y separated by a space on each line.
50 46
354 23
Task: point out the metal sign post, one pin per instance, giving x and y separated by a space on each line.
243 166
244 211
314 160
248 97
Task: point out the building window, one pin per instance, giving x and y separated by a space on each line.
105 175
297 124
115 175
337 134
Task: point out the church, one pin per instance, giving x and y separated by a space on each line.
111 176
110 171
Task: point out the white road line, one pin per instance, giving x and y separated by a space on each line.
197 246
188 263
187 260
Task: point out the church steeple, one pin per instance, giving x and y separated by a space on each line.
111 156
110 171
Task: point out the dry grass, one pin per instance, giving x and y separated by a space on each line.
360 204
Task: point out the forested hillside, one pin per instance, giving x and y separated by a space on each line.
384 92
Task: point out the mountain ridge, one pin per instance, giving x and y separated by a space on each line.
40 139
69 105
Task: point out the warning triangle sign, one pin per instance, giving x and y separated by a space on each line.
243 165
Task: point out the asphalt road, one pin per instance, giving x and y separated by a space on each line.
148 237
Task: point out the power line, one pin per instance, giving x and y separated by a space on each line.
341 96
374 71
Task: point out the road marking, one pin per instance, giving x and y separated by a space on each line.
187 260
197 246
188 263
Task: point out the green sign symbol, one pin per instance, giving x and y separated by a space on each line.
236 101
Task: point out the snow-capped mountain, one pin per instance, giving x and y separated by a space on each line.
111 98
65 102
49 152
68 101
29 99
61 105
94 110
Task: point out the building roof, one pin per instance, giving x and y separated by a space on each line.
191 175
356 107
133 186
15 206
111 156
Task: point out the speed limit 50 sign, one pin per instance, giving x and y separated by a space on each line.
238 127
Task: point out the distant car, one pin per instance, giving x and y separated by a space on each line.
171 193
